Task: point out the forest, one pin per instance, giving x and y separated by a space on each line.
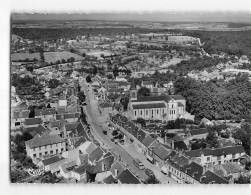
217 100
231 42
199 64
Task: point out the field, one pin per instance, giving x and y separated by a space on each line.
54 56
23 56
49 56
97 53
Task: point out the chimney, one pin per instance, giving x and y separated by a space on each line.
103 166
116 173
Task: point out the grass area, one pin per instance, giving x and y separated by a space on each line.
49 56
23 56
97 53
54 56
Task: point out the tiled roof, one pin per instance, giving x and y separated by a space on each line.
179 161
148 140
21 114
180 145
58 116
177 97
215 152
152 98
110 180
116 165
126 177
149 106
161 152
194 170
232 167
71 126
209 177
51 160
46 111
106 162
40 129
96 155
88 147
55 123
61 110
44 141
33 121
69 115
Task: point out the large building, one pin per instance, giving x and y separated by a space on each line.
162 107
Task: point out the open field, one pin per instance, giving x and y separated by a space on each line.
171 62
97 53
23 56
54 56
49 56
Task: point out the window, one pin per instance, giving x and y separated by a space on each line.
44 147
39 148
135 113
174 112
34 155
152 111
163 111
40 154
56 151
146 112
46 153
208 158
141 112
157 111
172 105
51 151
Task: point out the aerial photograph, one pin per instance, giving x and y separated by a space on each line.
130 98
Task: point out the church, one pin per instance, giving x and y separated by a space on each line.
162 107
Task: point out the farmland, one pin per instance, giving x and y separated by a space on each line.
97 53
50 57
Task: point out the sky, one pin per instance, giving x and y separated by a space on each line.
174 10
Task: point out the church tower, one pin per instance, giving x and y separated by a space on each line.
133 91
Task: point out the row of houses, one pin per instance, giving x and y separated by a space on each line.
176 160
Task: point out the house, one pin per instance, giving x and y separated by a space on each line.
47 114
127 177
95 155
87 147
33 131
162 107
116 169
232 169
81 172
216 156
52 163
19 117
65 169
46 144
32 122
147 142
69 129
71 117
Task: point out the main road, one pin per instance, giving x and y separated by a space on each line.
127 154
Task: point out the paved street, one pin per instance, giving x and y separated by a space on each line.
98 122
104 140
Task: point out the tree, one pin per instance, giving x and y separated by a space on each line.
211 140
115 133
141 121
94 69
81 96
243 180
88 79
120 136
124 101
143 91
53 83
152 180
30 68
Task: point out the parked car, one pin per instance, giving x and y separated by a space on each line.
149 172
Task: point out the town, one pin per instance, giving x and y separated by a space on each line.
129 104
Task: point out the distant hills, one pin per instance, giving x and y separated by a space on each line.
234 17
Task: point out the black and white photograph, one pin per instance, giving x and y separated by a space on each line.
147 92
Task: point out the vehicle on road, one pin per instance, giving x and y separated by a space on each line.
149 172
138 164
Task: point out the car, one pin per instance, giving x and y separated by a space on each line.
149 172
